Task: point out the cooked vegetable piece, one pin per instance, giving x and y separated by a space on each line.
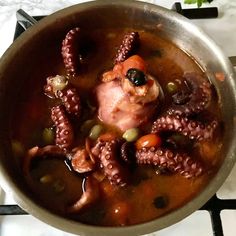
171 87
58 186
46 179
48 136
149 140
95 132
17 148
131 135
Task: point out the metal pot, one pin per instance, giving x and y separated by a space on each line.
21 58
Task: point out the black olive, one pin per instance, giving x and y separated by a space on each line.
127 152
136 77
160 202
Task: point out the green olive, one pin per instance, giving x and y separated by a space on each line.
46 179
131 135
95 132
17 148
171 87
86 126
48 136
160 202
58 186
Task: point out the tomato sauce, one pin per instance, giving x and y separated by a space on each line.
150 193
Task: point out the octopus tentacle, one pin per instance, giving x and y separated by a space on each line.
127 47
107 152
199 98
64 130
55 84
90 195
174 162
112 168
71 100
49 150
69 51
81 161
187 127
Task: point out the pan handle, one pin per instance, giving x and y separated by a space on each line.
24 19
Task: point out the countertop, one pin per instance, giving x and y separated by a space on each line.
221 29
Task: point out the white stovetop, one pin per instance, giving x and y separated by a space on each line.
222 30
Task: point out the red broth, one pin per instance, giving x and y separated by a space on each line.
149 194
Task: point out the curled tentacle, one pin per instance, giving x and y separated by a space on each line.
81 161
88 148
127 47
44 152
90 195
112 168
64 130
71 100
55 84
57 87
199 97
70 51
174 162
192 129
107 137
107 151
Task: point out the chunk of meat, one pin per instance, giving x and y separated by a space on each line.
116 108
122 103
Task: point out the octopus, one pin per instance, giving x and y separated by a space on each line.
81 161
57 87
55 84
70 51
44 152
129 44
193 101
107 151
90 190
127 97
173 162
64 129
122 104
70 100
91 193
190 128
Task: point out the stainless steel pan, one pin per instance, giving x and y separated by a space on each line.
19 62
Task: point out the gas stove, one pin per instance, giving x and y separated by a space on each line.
217 217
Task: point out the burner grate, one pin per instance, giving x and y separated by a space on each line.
214 206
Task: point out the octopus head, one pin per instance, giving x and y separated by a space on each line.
128 95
